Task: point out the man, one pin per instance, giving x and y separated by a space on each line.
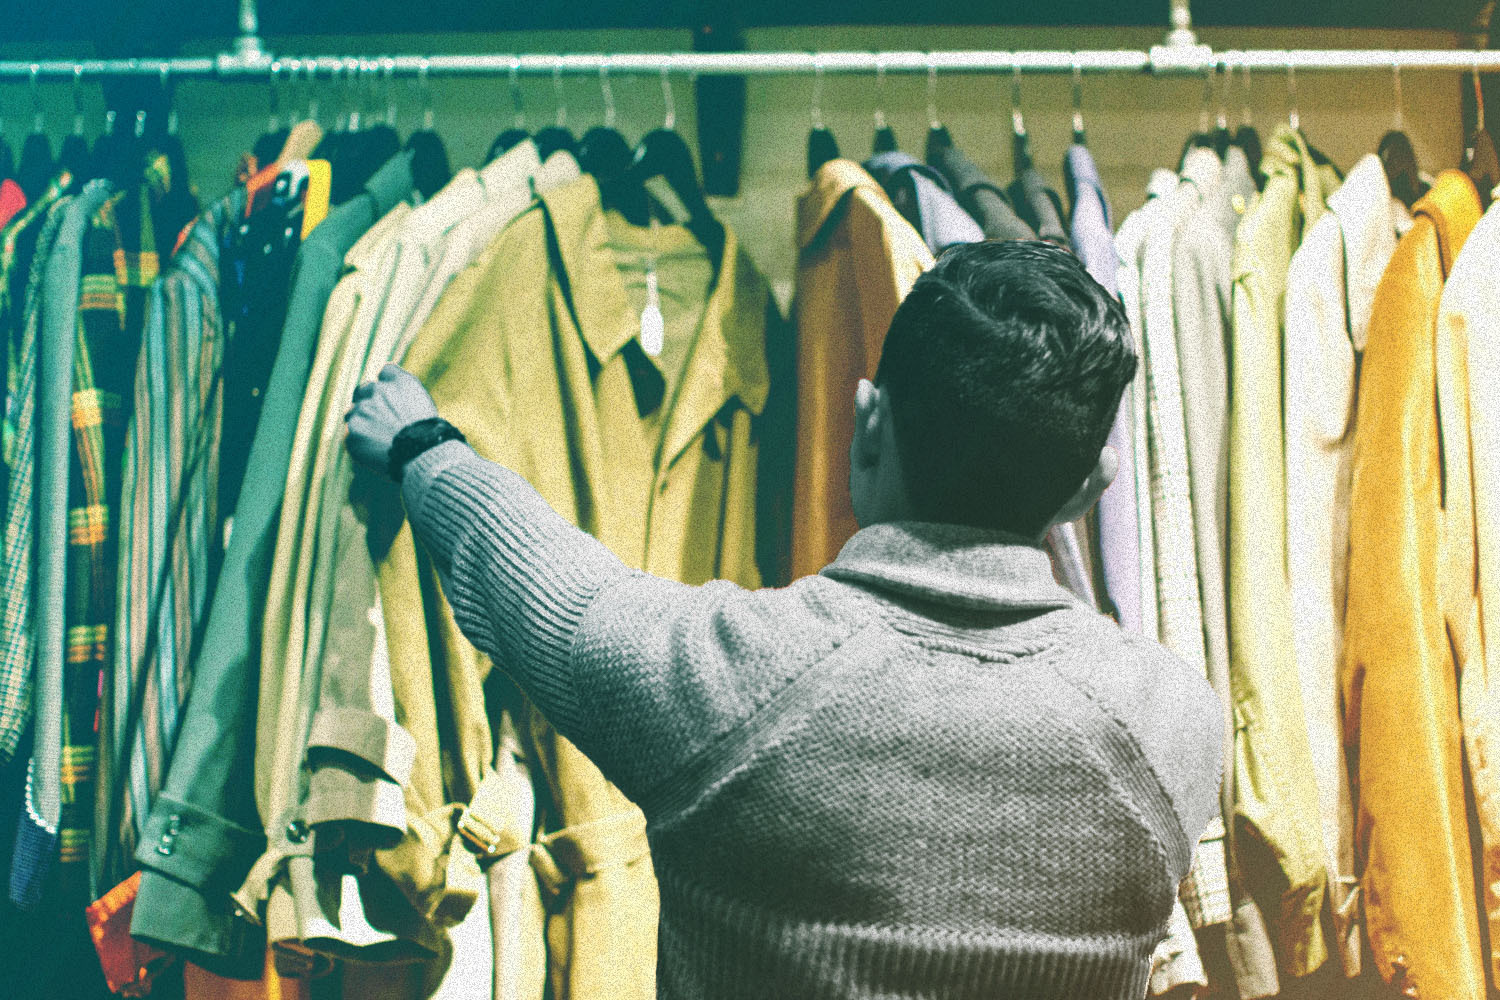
928 771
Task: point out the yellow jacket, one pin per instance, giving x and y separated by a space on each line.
857 260
534 353
1411 604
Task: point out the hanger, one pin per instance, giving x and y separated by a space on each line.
1397 155
938 136
382 139
1020 141
1202 138
268 146
305 134
74 155
1294 119
663 154
1479 160
518 132
1246 137
1080 137
821 145
556 138
603 151
179 206
37 167
430 168
885 136
1220 139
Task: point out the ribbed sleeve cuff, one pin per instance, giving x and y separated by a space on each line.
520 577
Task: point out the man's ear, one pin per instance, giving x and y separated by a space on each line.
1093 487
867 423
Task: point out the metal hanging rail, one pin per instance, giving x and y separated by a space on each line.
1160 60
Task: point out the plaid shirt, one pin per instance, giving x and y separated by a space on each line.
22 314
120 265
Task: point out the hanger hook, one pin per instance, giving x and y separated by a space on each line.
608 91
557 94
1077 97
1204 115
274 122
77 99
37 121
1245 112
880 92
519 106
1226 80
1293 118
1478 95
1017 121
424 90
390 91
817 101
669 119
1398 120
932 112
166 91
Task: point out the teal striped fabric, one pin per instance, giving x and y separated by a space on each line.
168 548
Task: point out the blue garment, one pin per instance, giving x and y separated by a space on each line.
923 196
1118 512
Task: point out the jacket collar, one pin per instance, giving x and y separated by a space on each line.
949 564
728 358
1363 209
515 166
834 182
1453 206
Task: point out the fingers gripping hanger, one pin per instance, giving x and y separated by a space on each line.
821 145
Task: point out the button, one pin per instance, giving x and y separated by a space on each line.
174 824
296 831
164 848
255 392
1409 991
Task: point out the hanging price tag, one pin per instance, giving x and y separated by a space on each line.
653 326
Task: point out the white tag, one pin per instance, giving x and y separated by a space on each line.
653 326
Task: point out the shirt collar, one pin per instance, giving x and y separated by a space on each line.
834 182
1362 207
973 568
728 359
1453 206
514 166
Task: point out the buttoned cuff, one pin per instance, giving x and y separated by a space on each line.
204 928
196 847
359 762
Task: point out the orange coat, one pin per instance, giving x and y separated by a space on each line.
1410 600
857 259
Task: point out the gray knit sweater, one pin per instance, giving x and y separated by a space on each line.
926 772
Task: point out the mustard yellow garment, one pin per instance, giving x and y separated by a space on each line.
534 353
1409 624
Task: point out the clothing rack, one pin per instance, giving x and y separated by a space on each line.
1159 60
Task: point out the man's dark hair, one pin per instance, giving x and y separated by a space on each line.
1005 367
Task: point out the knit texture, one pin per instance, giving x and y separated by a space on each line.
927 772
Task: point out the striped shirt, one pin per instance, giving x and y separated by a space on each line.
169 547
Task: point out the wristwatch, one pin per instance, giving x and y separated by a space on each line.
417 437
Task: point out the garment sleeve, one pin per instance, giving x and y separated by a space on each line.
642 674
519 576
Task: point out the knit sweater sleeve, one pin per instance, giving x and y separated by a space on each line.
642 674
519 577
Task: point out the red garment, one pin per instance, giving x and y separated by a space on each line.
129 965
12 200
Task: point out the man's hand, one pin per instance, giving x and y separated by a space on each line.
381 409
